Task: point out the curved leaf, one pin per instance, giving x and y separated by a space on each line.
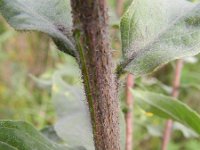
73 124
4 146
41 83
51 134
188 133
20 135
155 32
168 107
49 16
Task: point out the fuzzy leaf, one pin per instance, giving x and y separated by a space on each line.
168 107
155 32
48 16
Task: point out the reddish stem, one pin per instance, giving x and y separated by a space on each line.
175 93
129 114
119 7
129 96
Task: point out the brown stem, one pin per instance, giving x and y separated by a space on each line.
129 114
119 7
90 21
175 93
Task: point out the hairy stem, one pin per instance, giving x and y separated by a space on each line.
90 21
129 114
175 93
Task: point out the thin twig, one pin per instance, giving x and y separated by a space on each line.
129 114
175 93
129 96
119 7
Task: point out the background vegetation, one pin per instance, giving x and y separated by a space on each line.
23 57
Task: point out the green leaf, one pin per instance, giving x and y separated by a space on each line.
4 146
51 134
168 107
188 133
155 32
20 135
73 125
49 16
41 83
190 79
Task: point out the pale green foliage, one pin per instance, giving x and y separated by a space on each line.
187 132
49 16
73 124
155 32
17 135
73 121
4 146
168 107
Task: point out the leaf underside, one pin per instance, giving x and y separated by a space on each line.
155 32
48 16
168 107
73 124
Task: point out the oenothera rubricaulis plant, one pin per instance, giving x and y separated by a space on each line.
153 32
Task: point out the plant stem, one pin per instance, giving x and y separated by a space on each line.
175 93
129 114
119 7
129 95
90 21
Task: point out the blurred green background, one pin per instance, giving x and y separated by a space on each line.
24 55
